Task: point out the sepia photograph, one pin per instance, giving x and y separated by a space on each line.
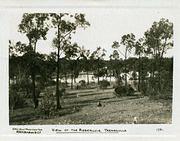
91 67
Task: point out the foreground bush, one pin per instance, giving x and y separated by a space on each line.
16 98
154 89
104 84
81 84
47 103
123 91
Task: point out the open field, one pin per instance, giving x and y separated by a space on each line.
80 107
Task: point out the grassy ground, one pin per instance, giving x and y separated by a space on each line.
80 107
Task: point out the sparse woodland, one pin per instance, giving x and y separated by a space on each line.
135 81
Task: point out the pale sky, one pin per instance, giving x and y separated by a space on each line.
107 25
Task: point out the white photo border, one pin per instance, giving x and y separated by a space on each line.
170 131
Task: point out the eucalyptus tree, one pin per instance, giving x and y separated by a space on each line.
35 27
17 64
71 53
115 64
50 65
128 42
158 39
85 60
65 69
14 59
139 51
20 67
98 56
65 24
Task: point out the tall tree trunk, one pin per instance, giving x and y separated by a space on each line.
33 76
160 66
126 80
66 79
57 84
98 70
35 100
153 69
87 73
71 81
98 80
58 106
74 80
159 75
117 77
110 77
126 69
139 76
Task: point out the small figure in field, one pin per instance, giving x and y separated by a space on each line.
135 120
99 104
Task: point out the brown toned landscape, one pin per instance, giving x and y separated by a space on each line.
130 81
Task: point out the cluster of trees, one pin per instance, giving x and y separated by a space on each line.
33 71
36 26
150 50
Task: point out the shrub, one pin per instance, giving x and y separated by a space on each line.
130 90
47 103
104 84
123 91
165 96
92 85
16 99
120 91
82 83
